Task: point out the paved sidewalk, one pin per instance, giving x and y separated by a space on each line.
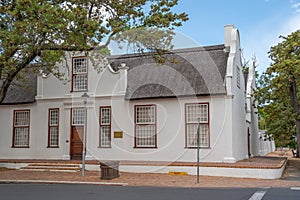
156 180
142 179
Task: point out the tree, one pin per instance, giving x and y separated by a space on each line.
35 34
279 91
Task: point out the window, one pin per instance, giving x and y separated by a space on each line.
238 76
105 127
53 127
80 74
78 116
193 112
21 128
145 126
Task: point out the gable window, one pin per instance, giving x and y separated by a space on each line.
193 112
145 126
21 128
105 127
80 74
238 76
53 127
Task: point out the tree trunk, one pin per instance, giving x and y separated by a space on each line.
298 137
5 85
296 108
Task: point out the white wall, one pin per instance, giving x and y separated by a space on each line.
237 132
170 126
170 130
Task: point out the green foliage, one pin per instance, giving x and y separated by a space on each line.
278 92
37 33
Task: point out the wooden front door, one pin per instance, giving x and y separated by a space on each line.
76 142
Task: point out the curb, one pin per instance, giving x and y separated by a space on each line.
3 181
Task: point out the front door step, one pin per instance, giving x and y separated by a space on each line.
54 167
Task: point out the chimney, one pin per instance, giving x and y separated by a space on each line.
227 34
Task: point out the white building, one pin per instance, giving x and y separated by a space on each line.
137 109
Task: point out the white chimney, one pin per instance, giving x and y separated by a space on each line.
227 34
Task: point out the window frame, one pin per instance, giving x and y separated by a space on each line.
145 124
50 126
208 126
73 89
104 125
21 126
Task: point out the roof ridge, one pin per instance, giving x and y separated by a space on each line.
181 50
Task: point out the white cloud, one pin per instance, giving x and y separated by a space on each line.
265 35
290 25
296 5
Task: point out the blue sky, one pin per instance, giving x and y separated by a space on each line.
260 23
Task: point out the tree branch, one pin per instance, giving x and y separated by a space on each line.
55 47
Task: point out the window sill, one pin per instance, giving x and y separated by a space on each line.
145 147
99 147
79 90
49 147
27 147
197 147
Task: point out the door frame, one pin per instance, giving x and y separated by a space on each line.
71 130
71 143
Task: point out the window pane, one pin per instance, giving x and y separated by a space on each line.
195 111
192 135
80 82
105 116
145 136
80 65
21 137
105 136
22 118
78 116
53 136
54 117
145 114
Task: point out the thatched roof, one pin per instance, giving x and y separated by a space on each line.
22 92
186 72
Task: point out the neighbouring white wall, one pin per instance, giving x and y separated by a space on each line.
252 112
266 143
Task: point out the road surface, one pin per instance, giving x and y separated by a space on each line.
94 192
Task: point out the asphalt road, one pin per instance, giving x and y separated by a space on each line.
91 192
